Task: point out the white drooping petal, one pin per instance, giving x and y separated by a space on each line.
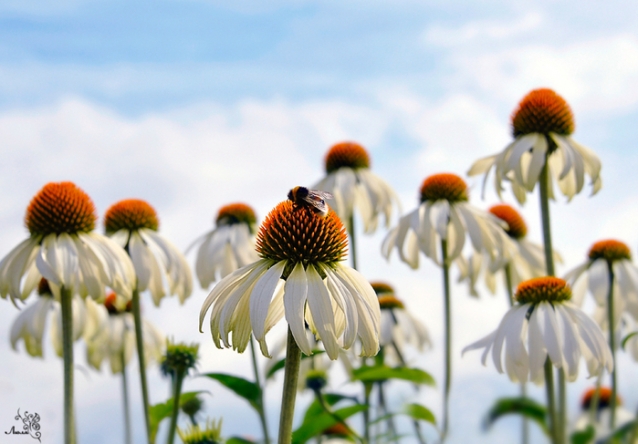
320 306
295 296
262 297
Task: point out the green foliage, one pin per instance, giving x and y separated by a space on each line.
583 436
420 413
320 422
621 434
627 338
242 387
517 406
383 373
158 412
238 440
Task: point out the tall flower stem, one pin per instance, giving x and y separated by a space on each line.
66 302
262 416
448 339
177 391
510 294
392 430
127 414
595 400
551 403
291 376
612 345
353 242
367 388
139 339
326 408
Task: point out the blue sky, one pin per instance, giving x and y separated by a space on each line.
195 104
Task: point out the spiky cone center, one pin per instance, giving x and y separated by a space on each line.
611 250
236 213
300 235
444 186
180 358
60 207
346 155
388 302
111 305
131 215
382 288
516 227
44 289
543 111
604 398
543 289
194 434
337 430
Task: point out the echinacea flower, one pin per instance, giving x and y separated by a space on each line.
602 413
116 341
300 275
398 326
63 249
210 433
526 261
444 213
31 322
353 185
542 126
231 245
133 224
544 323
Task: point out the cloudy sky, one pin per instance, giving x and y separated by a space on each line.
193 104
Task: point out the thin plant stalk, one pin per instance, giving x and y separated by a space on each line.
177 391
125 401
262 415
66 302
612 345
289 395
367 388
139 340
593 404
392 430
326 408
448 339
353 241
510 294
551 403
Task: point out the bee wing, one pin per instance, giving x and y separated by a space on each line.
320 194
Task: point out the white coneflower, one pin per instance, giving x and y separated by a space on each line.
133 224
63 249
229 246
353 185
444 213
542 127
599 417
544 323
300 275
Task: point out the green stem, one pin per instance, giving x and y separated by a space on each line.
612 345
326 408
448 340
262 416
551 403
353 242
593 404
562 407
177 391
139 339
367 388
127 414
392 430
66 302
289 395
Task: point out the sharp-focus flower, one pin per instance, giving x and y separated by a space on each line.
593 275
542 127
63 249
445 213
526 261
116 341
398 326
231 245
31 322
545 323
353 185
602 414
300 275
133 224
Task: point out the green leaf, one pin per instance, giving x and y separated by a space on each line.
383 373
621 433
282 362
315 408
420 413
583 436
627 338
517 406
322 421
242 387
158 412
238 440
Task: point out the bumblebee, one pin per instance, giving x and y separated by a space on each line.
315 200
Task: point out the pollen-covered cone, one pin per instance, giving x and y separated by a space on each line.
542 127
353 185
445 214
160 267
301 276
63 248
231 245
544 323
